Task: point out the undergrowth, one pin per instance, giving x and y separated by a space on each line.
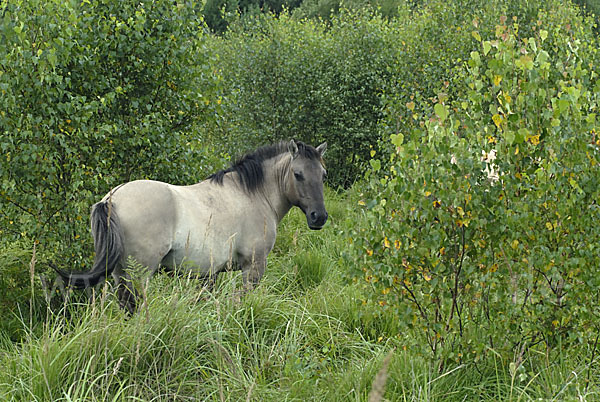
303 334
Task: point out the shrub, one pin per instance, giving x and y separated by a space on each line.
94 94
342 80
286 78
481 227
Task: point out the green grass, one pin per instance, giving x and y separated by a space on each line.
304 334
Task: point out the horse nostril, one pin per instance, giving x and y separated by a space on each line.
313 216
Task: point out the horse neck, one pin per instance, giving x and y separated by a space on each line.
274 188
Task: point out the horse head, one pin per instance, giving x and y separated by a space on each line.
305 182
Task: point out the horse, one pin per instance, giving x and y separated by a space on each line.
227 222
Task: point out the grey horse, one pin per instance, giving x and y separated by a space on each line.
228 221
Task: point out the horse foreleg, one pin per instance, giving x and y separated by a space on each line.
252 271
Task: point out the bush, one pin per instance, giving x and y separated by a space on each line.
286 78
481 227
92 95
342 80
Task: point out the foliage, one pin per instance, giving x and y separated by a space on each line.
340 80
285 78
464 262
326 9
282 341
481 233
93 94
19 307
219 14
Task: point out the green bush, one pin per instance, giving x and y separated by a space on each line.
17 301
346 80
286 78
94 94
218 14
481 218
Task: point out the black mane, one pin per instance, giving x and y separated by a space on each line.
250 166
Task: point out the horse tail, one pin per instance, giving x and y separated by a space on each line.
108 244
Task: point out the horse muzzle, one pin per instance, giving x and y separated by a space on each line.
316 219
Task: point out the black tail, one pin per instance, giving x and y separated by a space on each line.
108 243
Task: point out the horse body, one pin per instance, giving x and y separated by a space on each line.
226 222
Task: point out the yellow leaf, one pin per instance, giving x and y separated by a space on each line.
497 120
534 139
362 203
549 226
426 276
386 242
497 80
372 153
369 252
410 106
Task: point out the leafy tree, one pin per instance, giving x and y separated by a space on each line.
482 233
93 94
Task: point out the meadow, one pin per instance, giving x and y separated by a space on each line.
459 261
303 334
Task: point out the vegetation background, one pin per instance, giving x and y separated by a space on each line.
461 258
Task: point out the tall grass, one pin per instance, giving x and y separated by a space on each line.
303 334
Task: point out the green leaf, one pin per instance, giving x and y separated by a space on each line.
509 136
525 62
563 105
441 111
521 135
397 139
486 47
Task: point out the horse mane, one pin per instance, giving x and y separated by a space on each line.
250 166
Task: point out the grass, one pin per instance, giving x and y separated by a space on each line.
303 335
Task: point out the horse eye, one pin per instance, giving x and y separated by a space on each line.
298 176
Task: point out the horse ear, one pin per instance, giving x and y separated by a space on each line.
322 148
293 148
